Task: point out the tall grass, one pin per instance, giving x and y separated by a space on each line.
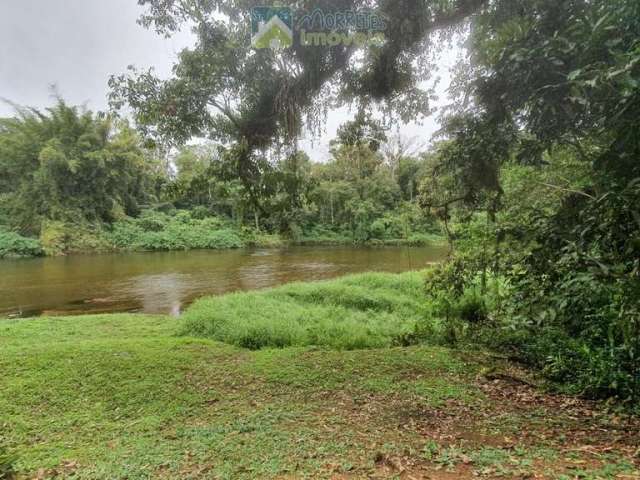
362 311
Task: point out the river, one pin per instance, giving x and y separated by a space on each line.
167 282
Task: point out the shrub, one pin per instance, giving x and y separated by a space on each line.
216 239
580 334
126 234
578 295
151 221
200 213
472 308
378 229
14 245
423 239
160 231
262 240
466 303
54 238
60 238
319 235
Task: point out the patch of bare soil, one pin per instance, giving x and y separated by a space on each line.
516 432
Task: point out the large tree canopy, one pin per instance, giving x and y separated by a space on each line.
225 90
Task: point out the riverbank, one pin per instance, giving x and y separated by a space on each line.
140 396
180 232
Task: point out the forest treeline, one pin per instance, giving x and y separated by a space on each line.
74 181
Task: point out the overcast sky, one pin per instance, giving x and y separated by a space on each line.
78 44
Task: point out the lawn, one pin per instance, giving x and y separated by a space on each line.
132 396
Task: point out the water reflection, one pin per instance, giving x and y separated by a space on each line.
162 293
167 282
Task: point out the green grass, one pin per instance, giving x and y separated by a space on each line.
132 396
370 310
121 396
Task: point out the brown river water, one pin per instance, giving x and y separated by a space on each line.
167 282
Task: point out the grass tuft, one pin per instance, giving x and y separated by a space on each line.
370 310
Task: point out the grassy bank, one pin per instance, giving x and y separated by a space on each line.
371 310
126 396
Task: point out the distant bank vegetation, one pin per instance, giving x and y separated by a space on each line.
178 230
72 181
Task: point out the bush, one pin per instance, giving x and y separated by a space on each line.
472 308
363 311
14 245
151 221
59 238
466 303
319 235
423 239
216 239
578 295
575 365
574 333
54 238
200 213
126 234
181 231
378 229
254 238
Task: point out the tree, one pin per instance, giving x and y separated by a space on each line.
399 147
547 79
70 165
224 90
362 131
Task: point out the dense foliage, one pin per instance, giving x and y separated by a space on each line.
80 184
539 180
358 196
69 165
158 231
549 86
15 245
536 178
225 90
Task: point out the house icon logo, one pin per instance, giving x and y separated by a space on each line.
271 27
